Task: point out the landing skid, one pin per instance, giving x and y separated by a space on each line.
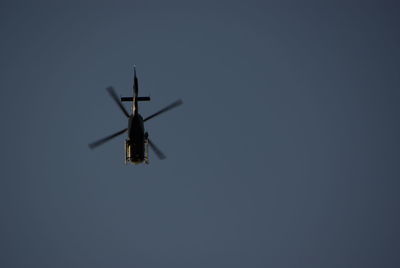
128 153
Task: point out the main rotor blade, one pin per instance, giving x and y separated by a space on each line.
103 140
169 107
156 150
114 95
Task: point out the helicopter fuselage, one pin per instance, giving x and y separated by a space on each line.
136 150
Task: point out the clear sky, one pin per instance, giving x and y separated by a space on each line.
285 153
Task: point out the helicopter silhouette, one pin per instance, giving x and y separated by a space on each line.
137 142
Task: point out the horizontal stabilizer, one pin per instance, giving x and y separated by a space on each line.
138 98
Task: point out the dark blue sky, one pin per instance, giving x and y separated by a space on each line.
284 154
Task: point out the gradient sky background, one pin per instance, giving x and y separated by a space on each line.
285 152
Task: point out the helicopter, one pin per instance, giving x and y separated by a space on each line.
138 141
